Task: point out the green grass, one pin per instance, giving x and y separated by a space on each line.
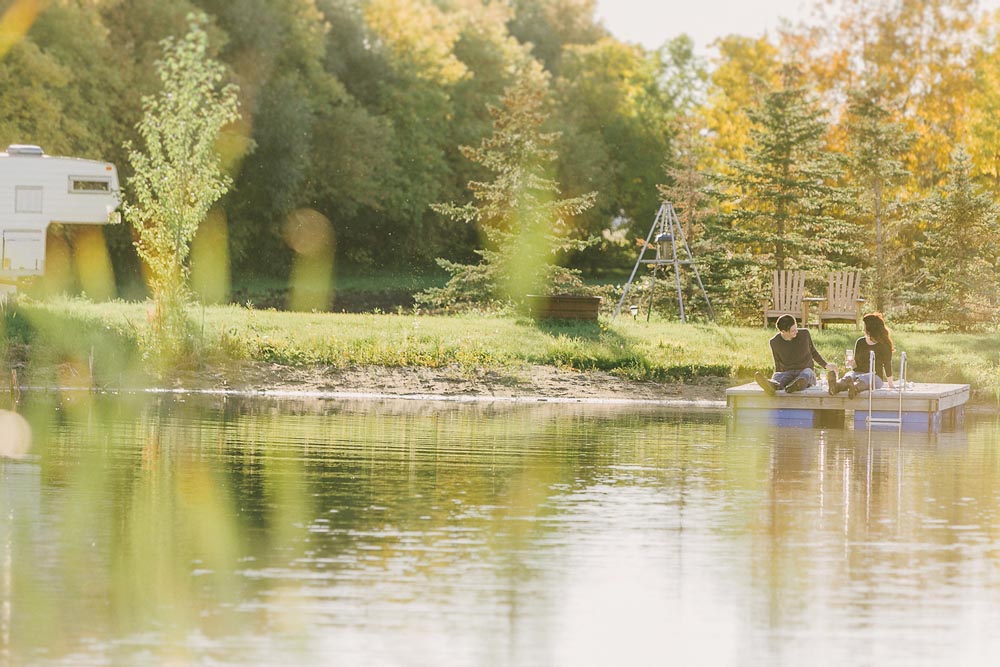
658 350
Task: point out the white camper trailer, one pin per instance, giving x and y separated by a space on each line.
38 189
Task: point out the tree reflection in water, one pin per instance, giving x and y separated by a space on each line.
188 529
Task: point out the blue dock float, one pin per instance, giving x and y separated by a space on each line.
924 406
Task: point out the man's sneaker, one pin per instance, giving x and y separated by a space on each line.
767 384
798 384
831 382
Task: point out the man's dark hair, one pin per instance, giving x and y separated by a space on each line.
785 322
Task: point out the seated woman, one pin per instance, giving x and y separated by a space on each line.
861 377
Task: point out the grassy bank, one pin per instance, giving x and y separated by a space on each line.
352 293
79 335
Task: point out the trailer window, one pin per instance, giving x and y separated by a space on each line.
89 184
27 199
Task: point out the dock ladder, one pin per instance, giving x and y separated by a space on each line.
898 419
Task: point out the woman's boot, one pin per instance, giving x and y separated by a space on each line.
840 385
855 388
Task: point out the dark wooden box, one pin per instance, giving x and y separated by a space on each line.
564 306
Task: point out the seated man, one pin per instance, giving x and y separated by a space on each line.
793 353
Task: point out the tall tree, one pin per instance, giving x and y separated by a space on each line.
877 147
276 49
415 42
923 50
176 175
743 71
551 26
616 106
957 279
59 78
984 108
415 94
526 226
784 197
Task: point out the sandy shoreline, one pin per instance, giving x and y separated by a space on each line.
528 384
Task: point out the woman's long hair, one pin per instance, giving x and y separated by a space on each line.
876 329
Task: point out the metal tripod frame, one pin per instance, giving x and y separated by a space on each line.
669 230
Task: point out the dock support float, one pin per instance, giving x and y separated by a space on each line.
922 406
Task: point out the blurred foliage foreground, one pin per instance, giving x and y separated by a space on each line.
78 343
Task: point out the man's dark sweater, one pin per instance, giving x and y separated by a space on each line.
795 354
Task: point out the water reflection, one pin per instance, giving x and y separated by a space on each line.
195 530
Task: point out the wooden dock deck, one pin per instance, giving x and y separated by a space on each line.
925 406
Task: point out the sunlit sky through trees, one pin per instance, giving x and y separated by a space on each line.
651 23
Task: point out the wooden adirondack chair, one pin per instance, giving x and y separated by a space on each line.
787 290
843 299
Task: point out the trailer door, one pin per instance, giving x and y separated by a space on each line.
23 251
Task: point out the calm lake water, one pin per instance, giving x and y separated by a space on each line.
229 531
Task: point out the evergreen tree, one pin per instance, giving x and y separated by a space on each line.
957 280
526 227
877 145
782 193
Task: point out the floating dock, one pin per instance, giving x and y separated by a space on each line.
924 406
